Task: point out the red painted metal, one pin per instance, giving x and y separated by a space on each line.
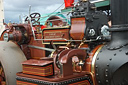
68 3
38 67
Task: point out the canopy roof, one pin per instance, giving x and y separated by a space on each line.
45 17
100 3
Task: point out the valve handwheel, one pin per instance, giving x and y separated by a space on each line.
35 17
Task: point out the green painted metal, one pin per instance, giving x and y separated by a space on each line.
46 16
97 4
102 3
67 10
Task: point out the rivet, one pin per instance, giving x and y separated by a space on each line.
96 66
97 74
110 59
106 70
115 54
106 80
126 53
99 82
97 58
106 75
107 64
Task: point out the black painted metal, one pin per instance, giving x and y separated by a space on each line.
119 10
65 82
94 20
109 63
118 40
82 8
112 62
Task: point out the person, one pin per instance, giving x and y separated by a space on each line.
110 23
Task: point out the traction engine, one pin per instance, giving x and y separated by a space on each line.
88 52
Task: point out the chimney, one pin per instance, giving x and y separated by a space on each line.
119 30
119 10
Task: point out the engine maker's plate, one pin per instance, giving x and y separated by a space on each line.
58 35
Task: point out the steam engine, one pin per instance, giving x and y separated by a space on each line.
89 52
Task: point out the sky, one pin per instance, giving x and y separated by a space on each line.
15 8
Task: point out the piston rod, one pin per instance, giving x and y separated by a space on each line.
41 48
